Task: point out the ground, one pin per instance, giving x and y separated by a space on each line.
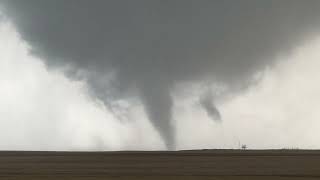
186 165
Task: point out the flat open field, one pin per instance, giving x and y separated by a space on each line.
186 165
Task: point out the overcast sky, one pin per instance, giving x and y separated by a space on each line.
150 75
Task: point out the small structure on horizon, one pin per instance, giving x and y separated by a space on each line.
243 147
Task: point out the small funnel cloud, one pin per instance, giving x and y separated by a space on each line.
206 102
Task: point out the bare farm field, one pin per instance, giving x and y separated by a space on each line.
175 165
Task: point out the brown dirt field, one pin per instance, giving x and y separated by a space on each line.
186 165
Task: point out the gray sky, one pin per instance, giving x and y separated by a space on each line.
148 54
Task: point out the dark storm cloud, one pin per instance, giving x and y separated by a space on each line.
154 44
